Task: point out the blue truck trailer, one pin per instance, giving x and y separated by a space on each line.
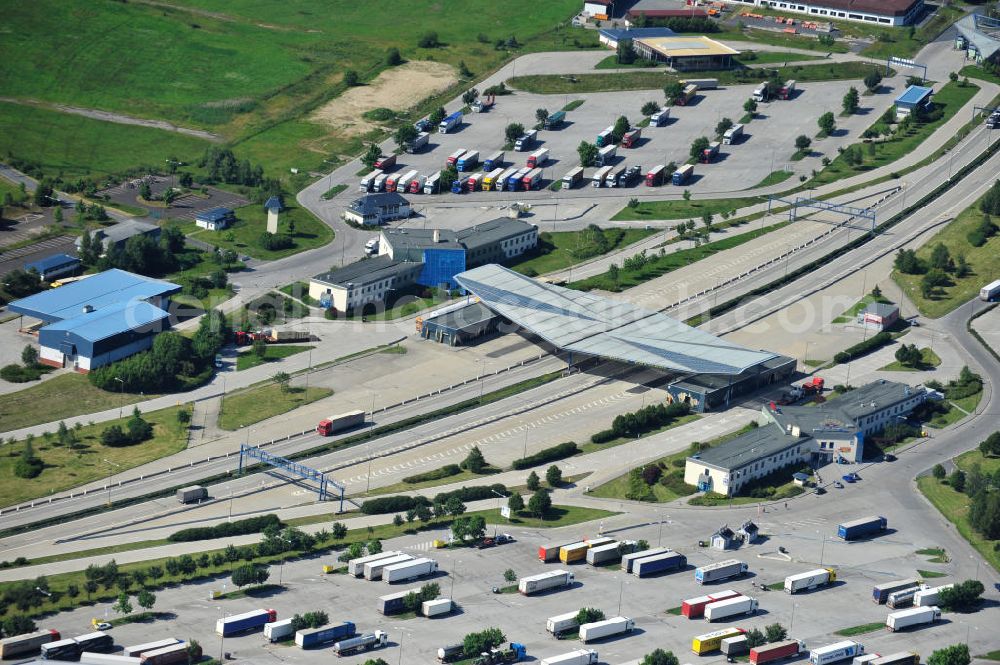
865 526
661 563
239 623
312 637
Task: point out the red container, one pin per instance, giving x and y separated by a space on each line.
772 652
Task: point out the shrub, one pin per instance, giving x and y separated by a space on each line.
437 474
603 436
226 529
863 348
651 474
392 504
552 454
476 493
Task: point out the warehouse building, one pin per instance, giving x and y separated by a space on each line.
879 316
98 320
599 9
882 12
362 283
791 436
54 267
458 324
118 234
611 36
686 53
215 219
915 99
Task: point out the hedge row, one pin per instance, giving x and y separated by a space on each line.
475 493
393 504
862 348
642 421
226 529
562 451
437 474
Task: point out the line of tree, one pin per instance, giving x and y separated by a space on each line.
227 529
677 23
482 641
221 165
641 421
550 454
309 620
136 430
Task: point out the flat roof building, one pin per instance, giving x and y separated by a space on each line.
912 100
882 12
54 266
611 36
363 282
215 219
686 53
98 320
118 234
376 209
879 316
459 324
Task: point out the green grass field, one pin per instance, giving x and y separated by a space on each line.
965 461
556 249
774 57
45 402
861 630
75 146
683 210
256 404
928 360
852 312
955 508
251 223
951 98
557 84
984 262
774 178
248 359
807 42
66 467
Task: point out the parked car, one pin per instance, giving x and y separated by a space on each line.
889 457
486 542
503 538
104 625
838 485
851 477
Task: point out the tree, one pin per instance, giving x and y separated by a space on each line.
957 480
957 654
397 520
802 143
622 125
873 80
375 661
963 597
775 632
931 280
851 101
249 574
649 108
509 575
659 657
990 446
589 615
984 514
145 599
698 147
513 131
723 126
405 135
57 216
374 546
588 153
672 91
283 379
18 625
470 96
553 476
625 52
541 115
515 502
474 461
468 527
906 261
392 57
476 643
540 503
29 355
351 79
145 191
437 115
755 638
429 40
122 605
533 482
941 257
750 106
169 196
372 154
914 80
827 123
454 506
706 219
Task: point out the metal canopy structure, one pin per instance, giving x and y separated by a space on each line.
294 468
850 212
584 323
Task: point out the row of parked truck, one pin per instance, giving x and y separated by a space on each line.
392 566
343 635
96 649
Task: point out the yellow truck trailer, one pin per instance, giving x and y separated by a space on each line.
712 641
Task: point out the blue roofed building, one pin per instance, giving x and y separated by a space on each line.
274 203
215 219
98 320
54 266
915 99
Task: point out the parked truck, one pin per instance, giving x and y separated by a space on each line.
409 570
898 658
340 422
378 184
597 630
417 185
537 158
578 657
60 650
703 84
450 652
660 563
172 655
737 645
433 183
192 494
713 641
422 139
915 616
555 120
501 182
553 579
11 647
512 653
606 154
631 138
573 552
609 553
247 621
365 642
516 181
710 153
655 176
91 658
903 598
452 159
631 176
660 118
393 603
616 176
606 137
682 175
810 580
140 649
490 179
374 569
314 637
694 608
600 177
628 560
98 642
385 162
356 567
990 292
468 161
435 608
775 651
787 90
687 94
532 179
494 161
278 630
931 596
562 623
483 104
475 182
864 658
460 185
880 592
366 182
733 135
450 122
571 179
760 93
398 183
526 141
730 608
836 652
858 528
723 570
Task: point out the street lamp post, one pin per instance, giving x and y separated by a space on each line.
121 396
822 548
222 639
110 474
621 588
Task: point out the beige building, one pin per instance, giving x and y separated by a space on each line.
364 282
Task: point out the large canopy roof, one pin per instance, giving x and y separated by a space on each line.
586 323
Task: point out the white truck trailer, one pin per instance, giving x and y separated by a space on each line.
553 579
578 657
809 580
600 629
722 570
562 622
409 570
836 652
436 607
931 596
915 616
277 630
730 607
365 642
356 567
373 569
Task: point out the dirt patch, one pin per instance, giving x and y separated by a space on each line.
398 89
